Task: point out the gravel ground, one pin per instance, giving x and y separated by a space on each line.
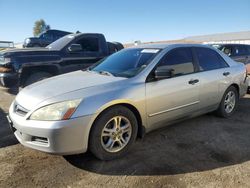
206 151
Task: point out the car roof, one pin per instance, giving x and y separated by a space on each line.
166 45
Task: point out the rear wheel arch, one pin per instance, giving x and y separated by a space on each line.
236 87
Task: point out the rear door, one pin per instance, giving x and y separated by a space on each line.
175 97
214 75
90 54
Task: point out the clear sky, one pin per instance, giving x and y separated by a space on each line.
127 20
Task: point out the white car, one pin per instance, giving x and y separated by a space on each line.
132 92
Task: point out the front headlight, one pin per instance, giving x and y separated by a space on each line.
4 60
27 41
57 111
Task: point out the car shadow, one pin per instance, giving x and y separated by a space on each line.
199 144
7 137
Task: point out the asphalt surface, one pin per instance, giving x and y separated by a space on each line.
206 151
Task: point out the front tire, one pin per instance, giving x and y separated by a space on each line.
228 103
113 133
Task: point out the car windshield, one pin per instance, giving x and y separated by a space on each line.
125 63
60 43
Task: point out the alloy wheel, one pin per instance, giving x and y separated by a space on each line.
116 134
229 102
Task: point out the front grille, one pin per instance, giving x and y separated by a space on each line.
20 110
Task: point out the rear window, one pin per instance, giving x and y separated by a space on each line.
209 59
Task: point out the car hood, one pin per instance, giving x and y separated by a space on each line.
37 93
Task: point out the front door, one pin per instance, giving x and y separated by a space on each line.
83 59
174 97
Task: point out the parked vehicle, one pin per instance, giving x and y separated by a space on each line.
70 53
132 92
45 38
238 52
6 45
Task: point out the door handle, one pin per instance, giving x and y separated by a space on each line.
226 73
193 81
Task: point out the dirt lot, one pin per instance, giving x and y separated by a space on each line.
203 152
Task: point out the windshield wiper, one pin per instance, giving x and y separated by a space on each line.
106 73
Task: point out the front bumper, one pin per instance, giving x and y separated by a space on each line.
8 79
56 137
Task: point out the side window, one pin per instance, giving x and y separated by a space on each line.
180 60
209 59
56 36
89 44
46 36
248 49
240 50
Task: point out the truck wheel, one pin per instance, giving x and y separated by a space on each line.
228 103
38 76
113 133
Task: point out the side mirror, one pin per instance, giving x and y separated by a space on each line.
162 73
75 48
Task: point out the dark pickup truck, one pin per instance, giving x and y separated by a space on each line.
72 52
45 38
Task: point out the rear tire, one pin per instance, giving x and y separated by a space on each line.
228 103
38 76
109 141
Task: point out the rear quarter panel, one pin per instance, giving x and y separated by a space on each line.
239 77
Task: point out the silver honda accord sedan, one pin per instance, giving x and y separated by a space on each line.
134 91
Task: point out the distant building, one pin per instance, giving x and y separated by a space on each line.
223 38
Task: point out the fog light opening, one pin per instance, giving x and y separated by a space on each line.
41 140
